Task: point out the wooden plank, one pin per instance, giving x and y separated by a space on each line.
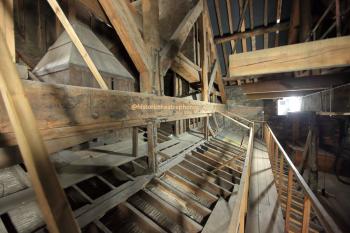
76 41
119 14
230 20
178 38
328 53
251 15
64 111
252 32
319 82
7 26
50 196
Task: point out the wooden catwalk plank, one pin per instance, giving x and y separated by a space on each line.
264 212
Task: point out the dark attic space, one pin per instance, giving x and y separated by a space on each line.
163 116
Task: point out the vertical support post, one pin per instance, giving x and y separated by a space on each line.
338 17
50 196
289 198
152 143
204 56
135 141
306 214
280 177
7 26
150 13
206 128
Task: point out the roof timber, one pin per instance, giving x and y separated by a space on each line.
296 84
305 56
172 48
251 33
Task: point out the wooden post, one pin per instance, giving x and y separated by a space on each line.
306 214
204 58
280 177
6 26
50 196
289 198
76 41
206 128
135 141
150 14
152 142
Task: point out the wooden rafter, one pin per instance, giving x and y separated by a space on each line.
294 23
76 41
221 32
7 26
230 20
204 57
118 13
278 20
178 38
266 17
296 84
251 14
252 33
50 196
305 56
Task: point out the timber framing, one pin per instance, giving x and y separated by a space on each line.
63 111
252 33
328 53
320 82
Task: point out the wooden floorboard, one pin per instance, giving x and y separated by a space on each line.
264 212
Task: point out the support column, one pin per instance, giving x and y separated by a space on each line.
6 26
135 141
152 143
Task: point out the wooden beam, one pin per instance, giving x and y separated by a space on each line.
277 95
76 41
319 82
278 19
213 75
185 68
294 23
178 38
50 196
266 17
221 31
204 58
218 79
119 14
328 53
230 20
152 143
241 25
305 20
135 141
250 33
63 111
7 26
251 15
151 36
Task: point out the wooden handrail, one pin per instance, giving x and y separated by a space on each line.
241 200
235 121
326 221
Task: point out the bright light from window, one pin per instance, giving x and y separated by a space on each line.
289 104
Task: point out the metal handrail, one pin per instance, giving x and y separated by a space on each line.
326 221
